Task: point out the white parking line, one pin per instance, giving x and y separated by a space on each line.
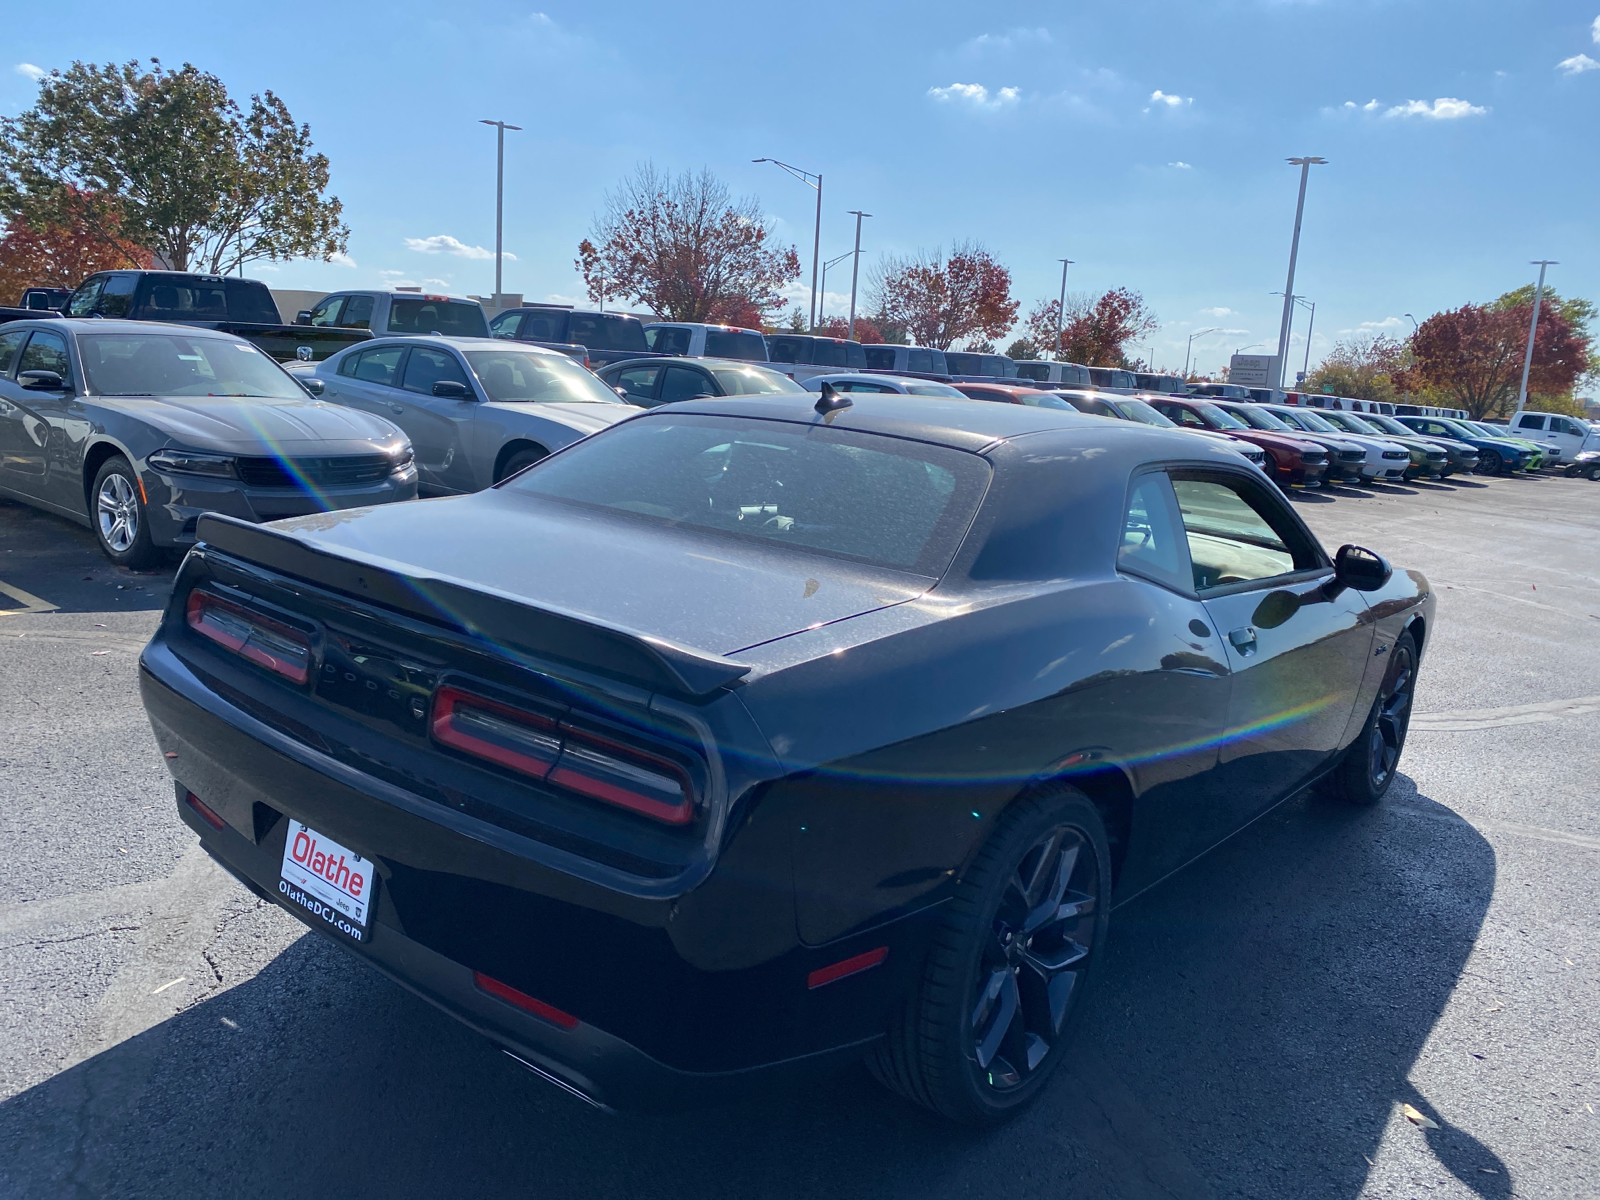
30 603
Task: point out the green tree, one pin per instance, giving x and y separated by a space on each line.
1022 350
1363 368
164 161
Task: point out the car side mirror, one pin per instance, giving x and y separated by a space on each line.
1361 570
313 385
41 381
621 391
452 388
303 317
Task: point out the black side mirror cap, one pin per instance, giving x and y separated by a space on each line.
303 317
41 381
312 384
453 388
1361 570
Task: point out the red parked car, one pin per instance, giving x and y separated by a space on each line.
1009 393
1292 460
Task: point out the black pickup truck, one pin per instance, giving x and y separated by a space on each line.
223 302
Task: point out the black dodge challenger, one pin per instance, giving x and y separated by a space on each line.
749 735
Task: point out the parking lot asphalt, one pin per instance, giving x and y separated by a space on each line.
1261 1022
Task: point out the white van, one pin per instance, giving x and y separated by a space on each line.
1568 435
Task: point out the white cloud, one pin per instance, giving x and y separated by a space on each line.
976 95
443 243
1445 108
1182 166
1219 312
32 72
1369 106
1577 64
1160 97
391 274
1595 31
342 260
1009 40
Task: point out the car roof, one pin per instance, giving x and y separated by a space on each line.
460 343
104 325
698 325
659 360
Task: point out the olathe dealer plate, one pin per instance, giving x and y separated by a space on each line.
330 881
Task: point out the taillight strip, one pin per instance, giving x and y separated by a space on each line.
470 723
261 640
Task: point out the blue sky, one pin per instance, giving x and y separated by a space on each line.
1143 140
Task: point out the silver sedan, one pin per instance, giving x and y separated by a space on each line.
477 410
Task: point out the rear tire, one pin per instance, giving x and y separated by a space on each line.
1372 760
117 513
520 460
991 1018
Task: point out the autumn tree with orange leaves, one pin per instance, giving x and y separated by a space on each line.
1095 330
940 301
687 250
59 255
1473 355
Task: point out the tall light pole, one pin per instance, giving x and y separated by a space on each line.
499 200
806 178
1414 325
855 271
1305 165
1310 325
832 262
1190 347
1061 308
1533 329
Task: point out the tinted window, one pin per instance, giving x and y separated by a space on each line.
451 318
1138 410
667 340
855 386
1034 370
1230 539
82 302
787 349
825 352
47 352
175 364
10 343
639 382
602 331
963 364
358 313
327 311
885 501
999 366
856 356
1097 408
922 360
248 300
1154 543
377 366
682 383
881 359
1529 421
754 381
743 344
1257 418
531 377
116 298
427 367
544 325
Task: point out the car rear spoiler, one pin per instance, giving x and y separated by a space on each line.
627 654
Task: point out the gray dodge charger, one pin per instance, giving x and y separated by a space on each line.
136 428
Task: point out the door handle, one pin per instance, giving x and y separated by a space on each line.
398 408
1243 638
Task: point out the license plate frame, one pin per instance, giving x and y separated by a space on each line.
328 881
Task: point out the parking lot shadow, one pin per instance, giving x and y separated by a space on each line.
58 561
1250 1035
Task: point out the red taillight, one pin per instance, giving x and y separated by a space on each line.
504 991
265 642
845 967
579 760
207 814
522 741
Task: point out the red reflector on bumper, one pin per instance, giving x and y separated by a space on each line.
848 966
207 814
504 991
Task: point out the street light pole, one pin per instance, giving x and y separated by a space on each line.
855 272
806 177
1305 165
1305 369
1187 349
1061 309
1533 329
499 201
1414 325
822 307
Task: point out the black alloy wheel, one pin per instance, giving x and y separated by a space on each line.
1370 764
1489 462
521 459
992 1015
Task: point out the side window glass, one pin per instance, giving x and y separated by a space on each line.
1230 538
505 326
639 381
1153 542
427 367
82 302
1529 421
784 350
116 298
672 341
10 343
378 366
357 313
47 352
684 384
327 312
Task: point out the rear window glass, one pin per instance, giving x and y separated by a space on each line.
664 339
602 331
884 501
451 318
743 344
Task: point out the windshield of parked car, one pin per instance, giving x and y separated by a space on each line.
934 389
525 377
1138 410
1357 424
1459 427
1388 424
1315 422
754 381
1220 417
889 502
435 314
175 364
1260 418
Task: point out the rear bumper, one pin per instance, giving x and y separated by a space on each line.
654 1026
